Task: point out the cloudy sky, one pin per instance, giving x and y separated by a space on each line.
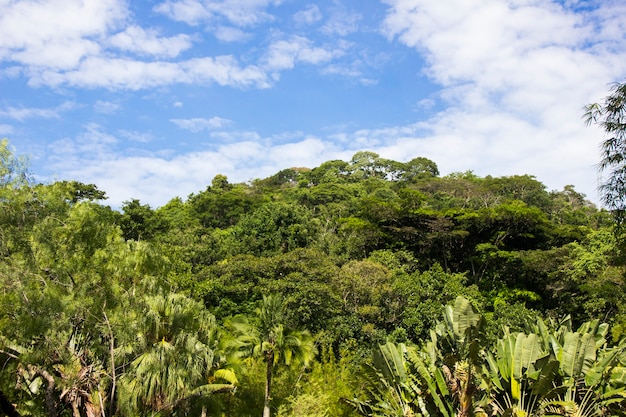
151 99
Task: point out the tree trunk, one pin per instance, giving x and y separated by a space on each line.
269 357
50 398
113 375
7 407
75 410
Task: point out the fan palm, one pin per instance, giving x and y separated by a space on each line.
266 336
175 357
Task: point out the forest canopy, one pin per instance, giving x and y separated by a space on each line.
361 287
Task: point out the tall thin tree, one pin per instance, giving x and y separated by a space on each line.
267 336
610 115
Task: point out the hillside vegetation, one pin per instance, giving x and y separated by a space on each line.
361 287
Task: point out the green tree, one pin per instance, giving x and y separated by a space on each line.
418 168
273 228
610 115
13 168
176 355
137 220
222 204
266 336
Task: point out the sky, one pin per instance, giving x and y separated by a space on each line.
150 99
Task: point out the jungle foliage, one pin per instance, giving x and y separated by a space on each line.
362 287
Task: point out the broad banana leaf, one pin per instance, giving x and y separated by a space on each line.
518 360
527 351
577 354
437 387
461 317
390 360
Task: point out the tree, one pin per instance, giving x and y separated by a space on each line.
610 115
418 168
13 169
176 355
267 337
137 220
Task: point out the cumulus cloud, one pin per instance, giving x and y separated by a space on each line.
97 44
515 75
237 12
309 15
57 33
285 53
23 113
148 42
196 125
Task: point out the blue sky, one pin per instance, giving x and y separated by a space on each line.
151 99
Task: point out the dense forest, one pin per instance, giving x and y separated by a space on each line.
363 287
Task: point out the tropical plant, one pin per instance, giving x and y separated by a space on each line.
267 336
176 357
552 371
610 115
439 378
389 385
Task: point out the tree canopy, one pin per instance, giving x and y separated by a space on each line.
203 305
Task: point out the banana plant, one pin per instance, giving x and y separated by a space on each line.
389 386
439 378
550 370
521 374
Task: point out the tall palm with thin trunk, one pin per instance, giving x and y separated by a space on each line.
266 336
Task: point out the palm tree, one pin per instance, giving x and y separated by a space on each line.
175 357
266 336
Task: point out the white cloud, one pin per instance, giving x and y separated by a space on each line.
515 75
199 124
6 129
106 107
237 12
231 34
342 22
148 42
93 142
136 136
120 73
24 113
97 44
189 11
286 53
56 33
309 15
236 136
299 154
